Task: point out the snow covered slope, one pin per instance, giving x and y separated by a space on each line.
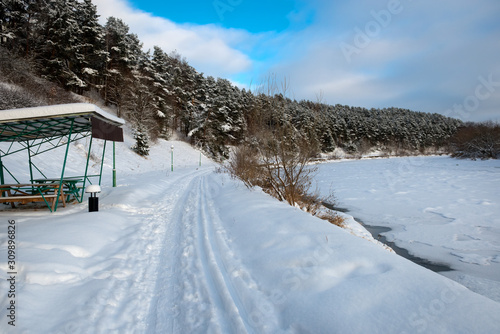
193 251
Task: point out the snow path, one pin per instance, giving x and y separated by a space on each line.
142 269
210 291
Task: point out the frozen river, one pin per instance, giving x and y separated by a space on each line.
438 208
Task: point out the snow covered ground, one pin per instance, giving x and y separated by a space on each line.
441 209
193 251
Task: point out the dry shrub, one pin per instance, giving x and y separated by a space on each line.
16 97
286 157
244 165
477 141
278 170
333 218
311 203
21 74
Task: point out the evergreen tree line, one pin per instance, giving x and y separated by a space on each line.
159 92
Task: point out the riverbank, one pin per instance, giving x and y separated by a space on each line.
377 233
440 209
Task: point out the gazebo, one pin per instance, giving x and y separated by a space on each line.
41 129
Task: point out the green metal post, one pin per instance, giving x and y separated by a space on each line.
102 161
64 164
114 166
86 170
31 165
2 179
172 158
200 159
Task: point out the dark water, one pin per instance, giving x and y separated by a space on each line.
377 233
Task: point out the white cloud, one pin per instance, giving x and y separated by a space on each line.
210 49
428 57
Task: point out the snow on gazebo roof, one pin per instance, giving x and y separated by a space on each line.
59 120
58 110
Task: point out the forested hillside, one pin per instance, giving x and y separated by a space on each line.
60 47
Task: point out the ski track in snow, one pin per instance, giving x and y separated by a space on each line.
145 269
211 292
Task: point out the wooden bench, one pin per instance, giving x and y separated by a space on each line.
17 193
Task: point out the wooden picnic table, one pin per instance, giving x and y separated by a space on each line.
71 184
31 192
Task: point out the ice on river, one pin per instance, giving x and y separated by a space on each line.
441 209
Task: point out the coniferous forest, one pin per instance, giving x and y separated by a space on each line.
60 47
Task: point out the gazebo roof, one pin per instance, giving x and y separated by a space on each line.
59 120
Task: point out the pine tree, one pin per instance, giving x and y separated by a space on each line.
19 24
124 53
91 50
158 71
57 51
141 137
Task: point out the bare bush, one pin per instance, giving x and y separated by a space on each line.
244 164
15 97
20 75
286 165
477 141
279 162
333 218
277 157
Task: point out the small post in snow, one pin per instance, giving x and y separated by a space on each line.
114 165
172 157
93 189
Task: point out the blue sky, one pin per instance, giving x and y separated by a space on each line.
431 56
254 16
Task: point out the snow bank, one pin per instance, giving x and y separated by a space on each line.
319 278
